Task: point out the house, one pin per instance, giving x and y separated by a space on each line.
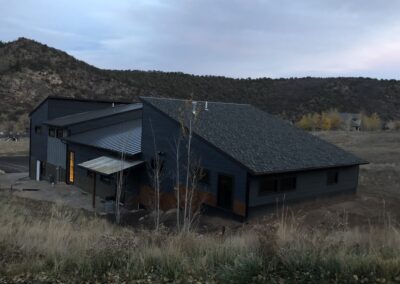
248 158
67 132
351 121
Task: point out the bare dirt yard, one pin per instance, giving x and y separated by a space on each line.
14 148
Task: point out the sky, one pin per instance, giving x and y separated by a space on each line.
248 38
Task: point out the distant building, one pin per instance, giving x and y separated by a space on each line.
351 121
248 158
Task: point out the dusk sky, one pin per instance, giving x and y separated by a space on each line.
231 38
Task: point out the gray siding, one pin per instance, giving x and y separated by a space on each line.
56 152
309 184
49 109
166 133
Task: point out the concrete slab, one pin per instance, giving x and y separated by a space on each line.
61 193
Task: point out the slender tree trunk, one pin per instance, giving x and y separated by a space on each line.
178 201
187 176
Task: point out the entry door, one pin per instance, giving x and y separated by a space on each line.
71 167
225 192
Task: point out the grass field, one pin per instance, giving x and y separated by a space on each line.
9 148
354 239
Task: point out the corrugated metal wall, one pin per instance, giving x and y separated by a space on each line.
56 152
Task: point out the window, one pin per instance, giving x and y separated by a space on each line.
204 176
332 177
268 185
288 184
71 168
52 132
273 184
60 133
38 130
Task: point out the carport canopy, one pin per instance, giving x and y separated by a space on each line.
109 165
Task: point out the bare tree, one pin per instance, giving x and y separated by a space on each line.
155 173
120 183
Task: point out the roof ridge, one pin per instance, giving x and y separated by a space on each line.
175 99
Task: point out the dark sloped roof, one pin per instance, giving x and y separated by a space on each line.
261 142
120 137
90 115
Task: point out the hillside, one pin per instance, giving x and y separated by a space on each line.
30 71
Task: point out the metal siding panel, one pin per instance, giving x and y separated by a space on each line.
56 152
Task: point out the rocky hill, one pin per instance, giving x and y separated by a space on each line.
30 71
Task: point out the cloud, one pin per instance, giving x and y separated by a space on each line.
225 37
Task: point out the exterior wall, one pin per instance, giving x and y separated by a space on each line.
58 108
166 132
103 189
309 184
38 142
49 109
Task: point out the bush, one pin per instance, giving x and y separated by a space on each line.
320 121
47 244
371 123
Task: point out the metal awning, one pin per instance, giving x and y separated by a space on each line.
108 165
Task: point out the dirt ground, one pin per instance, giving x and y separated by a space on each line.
378 198
12 148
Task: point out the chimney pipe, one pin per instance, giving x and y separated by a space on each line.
206 106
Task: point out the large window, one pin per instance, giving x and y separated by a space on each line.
288 184
332 177
268 185
273 184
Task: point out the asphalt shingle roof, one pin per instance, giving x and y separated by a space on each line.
261 142
120 137
90 115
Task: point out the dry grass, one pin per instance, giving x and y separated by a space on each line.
44 242
10 148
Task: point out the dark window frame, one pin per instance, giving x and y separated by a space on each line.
52 132
277 184
59 132
332 177
38 130
272 185
289 182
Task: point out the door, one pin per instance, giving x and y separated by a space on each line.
71 167
225 192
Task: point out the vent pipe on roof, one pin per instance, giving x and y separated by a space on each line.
194 104
206 106
112 105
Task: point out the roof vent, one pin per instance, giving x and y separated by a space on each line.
206 106
194 104
113 104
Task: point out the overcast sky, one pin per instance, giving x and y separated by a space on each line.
232 38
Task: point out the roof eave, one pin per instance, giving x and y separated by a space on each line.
307 169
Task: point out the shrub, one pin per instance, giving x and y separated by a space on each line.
371 123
